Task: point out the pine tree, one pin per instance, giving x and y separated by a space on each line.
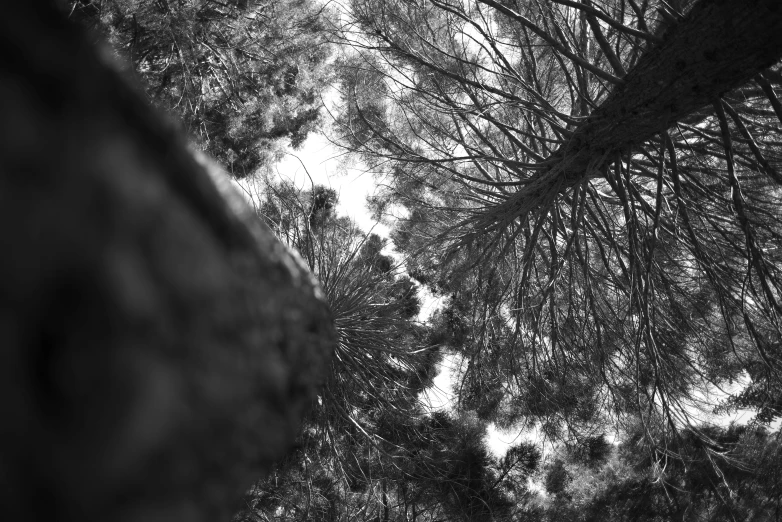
594 186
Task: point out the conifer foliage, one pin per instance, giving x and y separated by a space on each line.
240 75
594 185
369 446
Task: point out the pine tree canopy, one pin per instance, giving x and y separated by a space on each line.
591 188
594 185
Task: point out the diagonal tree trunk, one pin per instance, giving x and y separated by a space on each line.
159 345
718 46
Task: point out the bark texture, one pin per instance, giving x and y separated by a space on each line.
717 46
159 345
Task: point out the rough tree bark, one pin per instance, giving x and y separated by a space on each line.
159 346
717 46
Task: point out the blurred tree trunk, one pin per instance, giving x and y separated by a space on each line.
159 346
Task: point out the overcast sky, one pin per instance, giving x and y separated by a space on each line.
323 162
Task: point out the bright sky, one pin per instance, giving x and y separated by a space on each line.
319 162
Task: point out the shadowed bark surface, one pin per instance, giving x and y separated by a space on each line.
159 345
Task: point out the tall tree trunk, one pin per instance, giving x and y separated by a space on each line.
719 45
159 345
